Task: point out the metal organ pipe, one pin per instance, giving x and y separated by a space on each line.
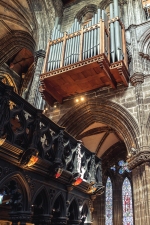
117 31
112 35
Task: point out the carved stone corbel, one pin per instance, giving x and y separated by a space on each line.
139 158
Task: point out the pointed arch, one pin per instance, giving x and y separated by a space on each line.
108 202
40 201
73 210
127 202
101 110
145 42
85 213
58 206
25 190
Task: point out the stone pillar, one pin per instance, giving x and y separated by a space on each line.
117 201
59 221
34 95
21 216
137 79
140 165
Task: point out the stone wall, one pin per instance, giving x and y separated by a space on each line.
71 10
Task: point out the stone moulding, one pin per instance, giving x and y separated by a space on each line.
138 159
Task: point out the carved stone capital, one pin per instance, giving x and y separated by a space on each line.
40 54
137 78
139 158
42 219
59 221
21 216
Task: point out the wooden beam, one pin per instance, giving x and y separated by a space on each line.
51 90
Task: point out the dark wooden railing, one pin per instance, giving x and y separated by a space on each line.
25 128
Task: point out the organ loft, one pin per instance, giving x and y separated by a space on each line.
74 112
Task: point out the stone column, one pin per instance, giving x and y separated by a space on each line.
140 165
34 95
117 201
21 216
137 79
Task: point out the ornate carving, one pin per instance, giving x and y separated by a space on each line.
4 112
77 159
140 158
137 78
22 217
31 183
92 170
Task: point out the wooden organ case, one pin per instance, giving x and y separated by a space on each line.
86 57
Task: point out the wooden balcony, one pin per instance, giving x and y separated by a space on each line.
88 71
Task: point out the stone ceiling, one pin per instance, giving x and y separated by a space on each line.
98 138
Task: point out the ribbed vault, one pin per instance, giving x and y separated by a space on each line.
111 117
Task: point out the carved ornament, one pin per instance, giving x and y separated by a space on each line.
137 78
140 158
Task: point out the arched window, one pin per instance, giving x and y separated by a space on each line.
127 203
109 203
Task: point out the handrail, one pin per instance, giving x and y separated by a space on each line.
25 127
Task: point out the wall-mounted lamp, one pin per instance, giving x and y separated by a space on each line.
77 181
81 99
32 160
58 172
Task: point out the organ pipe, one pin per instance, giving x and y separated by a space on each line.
92 39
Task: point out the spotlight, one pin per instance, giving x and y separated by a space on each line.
77 100
82 98
55 106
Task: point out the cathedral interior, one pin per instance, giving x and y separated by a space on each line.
74 112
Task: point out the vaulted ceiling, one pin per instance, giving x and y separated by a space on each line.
68 1
98 138
16 15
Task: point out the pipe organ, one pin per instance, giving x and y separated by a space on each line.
86 57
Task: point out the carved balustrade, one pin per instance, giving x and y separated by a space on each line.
36 137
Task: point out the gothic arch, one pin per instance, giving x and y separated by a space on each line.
103 111
19 178
73 209
60 202
45 197
145 42
88 8
13 43
86 211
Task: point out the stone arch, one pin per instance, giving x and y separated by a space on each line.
13 43
103 111
58 206
86 9
85 211
73 210
41 194
19 179
145 42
